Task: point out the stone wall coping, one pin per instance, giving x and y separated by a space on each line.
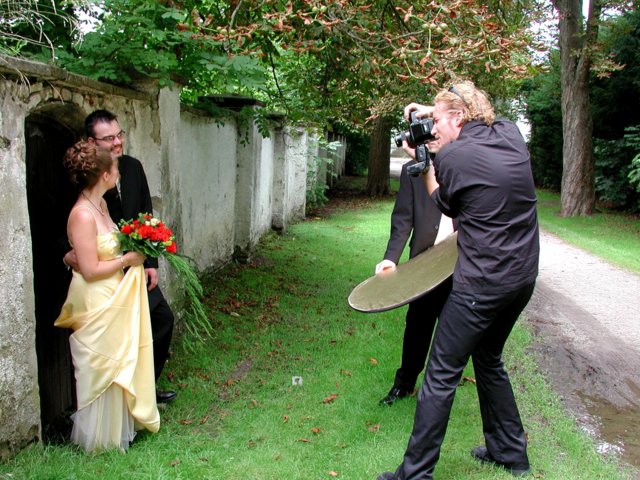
26 69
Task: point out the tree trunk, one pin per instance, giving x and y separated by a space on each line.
379 158
578 181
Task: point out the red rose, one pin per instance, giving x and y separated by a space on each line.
145 231
173 248
160 234
164 234
126 229
154 236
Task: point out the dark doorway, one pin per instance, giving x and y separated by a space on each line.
50 197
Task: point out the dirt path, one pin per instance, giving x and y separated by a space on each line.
586 314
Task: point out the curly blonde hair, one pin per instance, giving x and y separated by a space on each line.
86 162
473 102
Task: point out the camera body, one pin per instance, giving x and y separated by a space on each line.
419 131
418 134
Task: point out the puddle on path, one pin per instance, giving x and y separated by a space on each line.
617 430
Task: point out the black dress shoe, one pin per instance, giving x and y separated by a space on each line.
387 476
517 470
165 397
394 395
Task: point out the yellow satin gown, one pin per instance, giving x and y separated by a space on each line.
112 352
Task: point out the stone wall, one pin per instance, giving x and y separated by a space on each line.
19 396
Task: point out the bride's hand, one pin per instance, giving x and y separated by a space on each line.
132 259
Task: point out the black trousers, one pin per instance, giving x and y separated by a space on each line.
422 315
161 328
476 326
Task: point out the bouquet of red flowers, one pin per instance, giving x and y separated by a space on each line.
146 234
151 237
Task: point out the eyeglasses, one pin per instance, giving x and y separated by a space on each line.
111 138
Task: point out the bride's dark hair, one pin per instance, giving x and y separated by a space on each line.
86 162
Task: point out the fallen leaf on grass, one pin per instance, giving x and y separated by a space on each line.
316 430
330 398
204 420
285 418
346 373
304 440
333 474
175 463
374 428
186 422
469 379
373 361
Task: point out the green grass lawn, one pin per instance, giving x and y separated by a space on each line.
239 415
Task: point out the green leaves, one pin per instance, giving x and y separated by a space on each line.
315 61
38 29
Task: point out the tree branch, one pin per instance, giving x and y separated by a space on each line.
275 79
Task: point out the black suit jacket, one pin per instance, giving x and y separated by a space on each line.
134 196
415 214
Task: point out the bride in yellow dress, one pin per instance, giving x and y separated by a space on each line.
107 309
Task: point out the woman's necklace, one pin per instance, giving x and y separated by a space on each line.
99 209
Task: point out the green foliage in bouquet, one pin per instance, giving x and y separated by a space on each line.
151 237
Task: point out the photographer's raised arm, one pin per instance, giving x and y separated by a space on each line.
422 111
430 181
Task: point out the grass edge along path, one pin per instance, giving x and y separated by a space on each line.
242 415
610 235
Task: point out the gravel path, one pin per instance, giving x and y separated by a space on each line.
610 294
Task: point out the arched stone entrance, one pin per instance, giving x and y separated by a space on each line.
49 131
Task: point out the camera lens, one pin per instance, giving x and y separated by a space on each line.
400 137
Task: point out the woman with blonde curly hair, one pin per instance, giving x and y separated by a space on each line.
108 312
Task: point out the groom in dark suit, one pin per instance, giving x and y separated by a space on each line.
131 197
416 215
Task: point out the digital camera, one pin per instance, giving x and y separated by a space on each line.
419 131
